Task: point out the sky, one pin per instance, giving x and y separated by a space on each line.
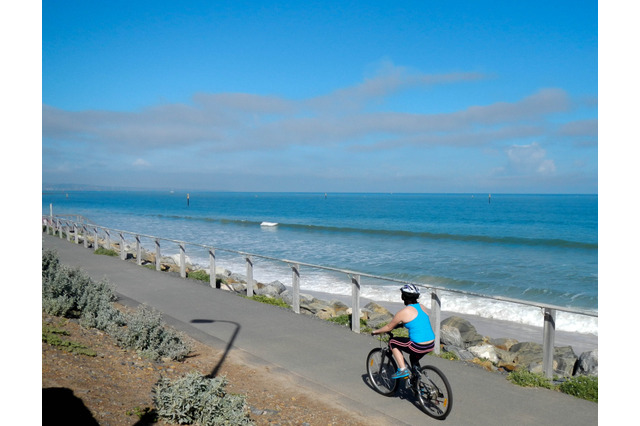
320 96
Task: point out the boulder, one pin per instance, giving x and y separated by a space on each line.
451 336
587 364
462 354
287 297
468 333
272 289
338 307
526 353
503 343
484 351
375 308
564 361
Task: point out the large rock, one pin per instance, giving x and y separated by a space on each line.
451 336
463 354
305 299
376 315
468 333
272 289
526 354
587 364
484 352
530 355
377 309
332 309
564 361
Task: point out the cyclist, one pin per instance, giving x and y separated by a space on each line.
421 338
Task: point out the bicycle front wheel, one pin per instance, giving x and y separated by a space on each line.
380 367
434 392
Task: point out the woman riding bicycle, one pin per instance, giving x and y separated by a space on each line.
421 338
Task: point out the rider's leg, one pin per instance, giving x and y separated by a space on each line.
397 355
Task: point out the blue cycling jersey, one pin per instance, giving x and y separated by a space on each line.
420 327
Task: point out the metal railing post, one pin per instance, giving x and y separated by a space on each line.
212 269
75 233
295 281
249 276
435 318
355 303
122 253
158 267
138 251
549 341
68 231
183 266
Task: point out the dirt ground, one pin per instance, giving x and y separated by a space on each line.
115 387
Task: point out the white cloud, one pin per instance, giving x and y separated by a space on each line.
141 163
530 159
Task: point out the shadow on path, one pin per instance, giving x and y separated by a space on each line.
214 372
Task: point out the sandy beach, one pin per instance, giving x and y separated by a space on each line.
494 328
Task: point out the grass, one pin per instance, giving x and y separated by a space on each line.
269 301
52 337
345 320
199 275
106 252
584 387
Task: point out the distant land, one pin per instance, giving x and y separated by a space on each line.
62 187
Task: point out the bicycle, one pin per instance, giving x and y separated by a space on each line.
429 384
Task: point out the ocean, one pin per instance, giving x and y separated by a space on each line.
538 248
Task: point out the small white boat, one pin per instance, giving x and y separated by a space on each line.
268 224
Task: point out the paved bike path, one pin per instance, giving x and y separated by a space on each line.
323 357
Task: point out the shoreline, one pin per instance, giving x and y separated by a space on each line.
488 327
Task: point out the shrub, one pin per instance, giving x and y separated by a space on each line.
585 387
146 333
61 291
106 252
196 399
50 264
70 292
451 356
199 275
96 305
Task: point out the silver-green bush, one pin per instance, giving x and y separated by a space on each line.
197 399
146 333
70 292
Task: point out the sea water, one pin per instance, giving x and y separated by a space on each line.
538 248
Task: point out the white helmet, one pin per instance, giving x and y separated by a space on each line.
410 289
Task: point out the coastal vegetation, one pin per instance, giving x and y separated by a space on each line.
106 252
52 336
270 301
71 293
585 387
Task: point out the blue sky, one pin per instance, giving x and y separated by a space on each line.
377 96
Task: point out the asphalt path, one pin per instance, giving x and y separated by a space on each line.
317 355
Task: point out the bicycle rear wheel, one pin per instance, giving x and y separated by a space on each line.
380 367
434 392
